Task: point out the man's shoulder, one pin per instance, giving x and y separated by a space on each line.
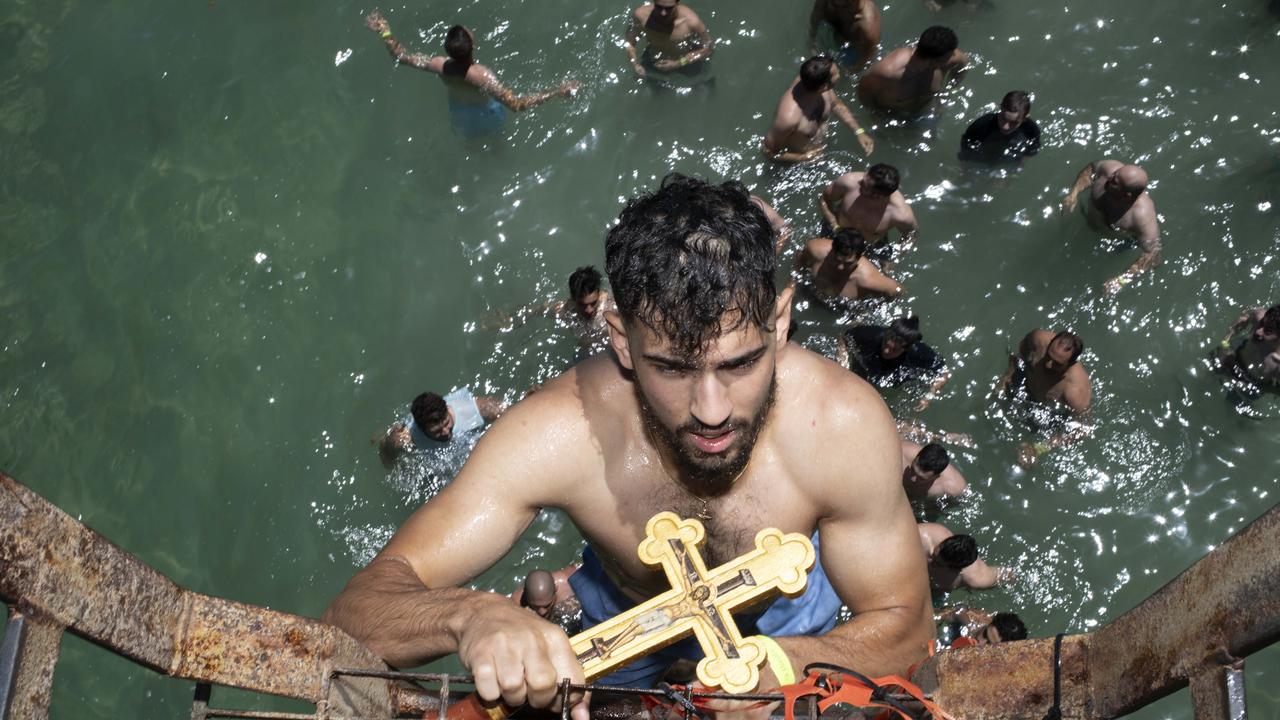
689 15
817 387
642 11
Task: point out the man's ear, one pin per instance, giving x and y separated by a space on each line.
782 316
618 338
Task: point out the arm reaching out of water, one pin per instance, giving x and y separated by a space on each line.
377 23
842 111
1083 179
406 604
519 103
1148 236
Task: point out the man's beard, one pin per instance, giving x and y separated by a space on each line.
708 474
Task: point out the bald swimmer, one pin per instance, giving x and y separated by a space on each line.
1118 201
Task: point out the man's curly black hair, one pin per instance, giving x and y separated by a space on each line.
693 261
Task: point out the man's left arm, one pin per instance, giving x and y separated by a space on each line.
846 116
874 562
1148 236
957 67
705 44
907 226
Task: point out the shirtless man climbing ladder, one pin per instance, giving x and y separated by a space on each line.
701 408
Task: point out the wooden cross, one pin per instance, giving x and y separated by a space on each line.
699 601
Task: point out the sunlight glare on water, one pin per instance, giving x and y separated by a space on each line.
238 240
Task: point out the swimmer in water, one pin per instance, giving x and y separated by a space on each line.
1005 136
908 78
799 125
582 312
551 598
677 38
435 421
870 203
927 473
839 269
855 25
954 562
1118 201
702 409
970 626
476 97
888 356
1256 358
1047 367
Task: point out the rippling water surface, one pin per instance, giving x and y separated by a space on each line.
236 241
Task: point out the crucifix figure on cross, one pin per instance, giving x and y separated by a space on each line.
699 601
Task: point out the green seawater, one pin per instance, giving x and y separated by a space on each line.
235 241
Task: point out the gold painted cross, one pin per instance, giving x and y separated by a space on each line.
699 601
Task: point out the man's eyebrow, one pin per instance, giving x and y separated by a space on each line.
737 360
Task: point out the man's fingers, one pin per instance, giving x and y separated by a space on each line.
566 665
511 678
485 674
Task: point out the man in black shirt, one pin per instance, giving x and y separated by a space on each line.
1004 136
889 356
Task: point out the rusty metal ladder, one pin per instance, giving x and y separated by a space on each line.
57 575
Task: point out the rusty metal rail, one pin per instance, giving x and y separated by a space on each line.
57 575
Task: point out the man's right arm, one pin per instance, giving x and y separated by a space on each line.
632 40
831 197
406 604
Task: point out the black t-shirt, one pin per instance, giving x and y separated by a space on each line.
983 141
864 343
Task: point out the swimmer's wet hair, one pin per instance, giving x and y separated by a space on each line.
958 552
1271 319
693 261
584 281
816 72
933 458
457 44
848 241
937 42
428 409
906 329
1010 626
884 178
1077 345
1016 101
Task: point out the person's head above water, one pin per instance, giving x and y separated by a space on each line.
539 592
1014 109
692 271
459 44
1127 182
1063 352
847 247
1268 329
584 290
664 12
930 462
957 552
901 334
818 73
432 416
880 181
936 44
1006 626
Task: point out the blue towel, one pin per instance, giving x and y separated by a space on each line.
813 613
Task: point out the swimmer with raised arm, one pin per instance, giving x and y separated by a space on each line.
799 128
702 408
1119 202
476 96
1047 367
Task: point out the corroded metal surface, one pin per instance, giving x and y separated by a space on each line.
1010 680
1218 693
1228 603
27 659
63 571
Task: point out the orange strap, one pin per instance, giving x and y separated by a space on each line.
851 690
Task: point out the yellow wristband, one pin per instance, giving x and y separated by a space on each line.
1042 448
1226 344
683 61
836 228
860 131
779 663
386 34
